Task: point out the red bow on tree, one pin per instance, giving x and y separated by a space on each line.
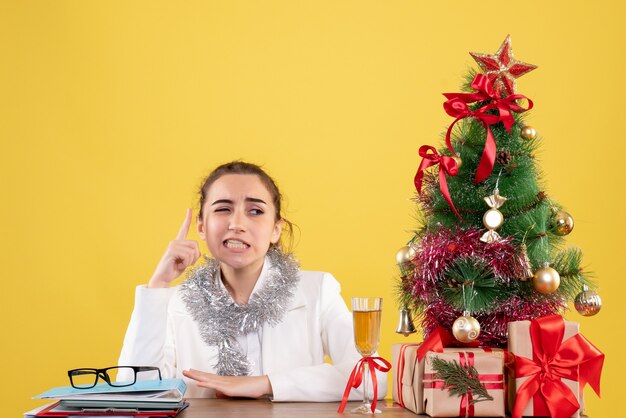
575 359
447 166
457 107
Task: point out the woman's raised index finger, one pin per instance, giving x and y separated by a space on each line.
184 229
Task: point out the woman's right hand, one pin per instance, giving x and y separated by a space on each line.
180 254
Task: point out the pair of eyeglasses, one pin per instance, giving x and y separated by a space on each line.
87 378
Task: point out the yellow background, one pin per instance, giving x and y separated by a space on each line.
111 112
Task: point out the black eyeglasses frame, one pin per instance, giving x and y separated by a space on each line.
104 374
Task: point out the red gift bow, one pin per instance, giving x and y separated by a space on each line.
438 340
356 377
447 166
466 408
575 359
457 107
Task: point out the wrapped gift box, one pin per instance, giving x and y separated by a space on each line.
520 345
553 362
439 402
407 377
408 373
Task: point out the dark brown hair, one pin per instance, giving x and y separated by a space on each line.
242 167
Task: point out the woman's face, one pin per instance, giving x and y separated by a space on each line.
239 221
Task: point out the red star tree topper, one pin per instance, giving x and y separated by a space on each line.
502 68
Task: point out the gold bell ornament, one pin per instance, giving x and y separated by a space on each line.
546 280
587 302
466 328
405 324
493 218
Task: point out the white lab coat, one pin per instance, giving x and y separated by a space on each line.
317 324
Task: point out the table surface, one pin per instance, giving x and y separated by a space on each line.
264 408
201 408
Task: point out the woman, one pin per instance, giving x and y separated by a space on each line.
249 318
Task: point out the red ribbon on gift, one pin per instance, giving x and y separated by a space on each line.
401 371
466 408
457 107
575 359
482 377
436 342
356 378
490 381
447 167
439 339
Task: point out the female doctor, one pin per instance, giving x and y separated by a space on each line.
247 322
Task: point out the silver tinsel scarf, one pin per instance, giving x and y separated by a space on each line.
221 320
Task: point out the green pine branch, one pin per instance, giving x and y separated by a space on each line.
568 263
460 380
470 285
404 294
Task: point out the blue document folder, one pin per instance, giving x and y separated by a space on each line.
161 393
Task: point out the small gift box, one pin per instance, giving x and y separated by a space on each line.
408 367
553 362
465 383
407 377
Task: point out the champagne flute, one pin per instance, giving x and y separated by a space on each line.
366 313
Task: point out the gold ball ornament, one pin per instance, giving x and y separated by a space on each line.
587 302
459 161
403 258
546 280
563 223
493 219
528 132
405 255
466 328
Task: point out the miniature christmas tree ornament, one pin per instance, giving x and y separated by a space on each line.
405 323
466 328
502 68
493 218
546 280
403 259
528 132
587 302
563 223
528 268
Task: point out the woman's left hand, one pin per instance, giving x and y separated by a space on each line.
237 386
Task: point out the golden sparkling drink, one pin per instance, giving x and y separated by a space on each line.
366 331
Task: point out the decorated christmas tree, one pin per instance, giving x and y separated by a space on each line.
490 248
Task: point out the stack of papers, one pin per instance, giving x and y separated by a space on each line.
153 398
